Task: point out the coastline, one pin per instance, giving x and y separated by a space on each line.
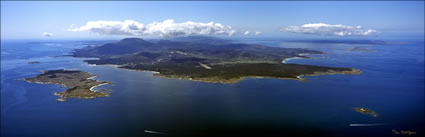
284 61
119 67
236 80
91 89
331 72
299 56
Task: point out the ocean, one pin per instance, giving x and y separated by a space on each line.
392 84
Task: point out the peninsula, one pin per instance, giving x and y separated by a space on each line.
79 83
205 59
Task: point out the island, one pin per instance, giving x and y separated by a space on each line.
206 59
366 111
80 84
34 62
360 49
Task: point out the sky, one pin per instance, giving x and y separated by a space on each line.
102 20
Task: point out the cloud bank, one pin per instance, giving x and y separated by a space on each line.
257 33
331 30
246 33
167 28
47 34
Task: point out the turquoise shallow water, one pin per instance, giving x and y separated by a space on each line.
392 84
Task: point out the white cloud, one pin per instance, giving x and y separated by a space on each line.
257 33
47 34
167 28
246 33
328 29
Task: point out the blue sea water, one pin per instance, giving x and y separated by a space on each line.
392 84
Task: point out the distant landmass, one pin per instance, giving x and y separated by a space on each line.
361 49
373 42
34 62
205 59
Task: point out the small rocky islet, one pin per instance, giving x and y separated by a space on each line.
366 111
